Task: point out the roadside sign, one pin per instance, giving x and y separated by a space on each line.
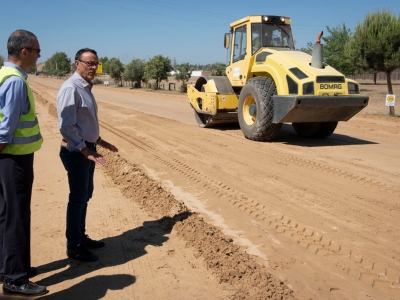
99 68
390 99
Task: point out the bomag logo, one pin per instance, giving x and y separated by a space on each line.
333 86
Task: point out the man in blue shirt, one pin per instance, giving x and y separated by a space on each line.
79 127
19 138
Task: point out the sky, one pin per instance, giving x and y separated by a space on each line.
185 31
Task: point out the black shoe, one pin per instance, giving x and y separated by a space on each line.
32 273
26 289
89 243
81 253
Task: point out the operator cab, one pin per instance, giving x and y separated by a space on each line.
263 31
271 35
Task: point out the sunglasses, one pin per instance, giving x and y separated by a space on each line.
37 50
90 63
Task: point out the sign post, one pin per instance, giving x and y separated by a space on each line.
99 68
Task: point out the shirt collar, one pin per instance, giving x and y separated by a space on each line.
9 64
82 81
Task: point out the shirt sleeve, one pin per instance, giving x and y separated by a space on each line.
68 100
14 99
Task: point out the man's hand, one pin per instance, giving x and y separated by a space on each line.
108 146
2 146
94 156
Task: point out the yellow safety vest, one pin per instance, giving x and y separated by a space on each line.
27 138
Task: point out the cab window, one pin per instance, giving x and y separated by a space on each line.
239 47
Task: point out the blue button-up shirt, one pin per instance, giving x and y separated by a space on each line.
77 112
14 102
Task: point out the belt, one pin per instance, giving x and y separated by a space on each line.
65 144
90 144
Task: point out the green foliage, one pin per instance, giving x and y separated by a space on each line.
334 49
334 53
115 69
97 81
105 61
174 64
375 45
158 68
207 67
183 74
59 64
309 49
32 70
219 69
1 60
134 71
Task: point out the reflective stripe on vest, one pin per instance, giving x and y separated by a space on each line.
26 137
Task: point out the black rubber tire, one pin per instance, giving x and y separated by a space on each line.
316 130
259 127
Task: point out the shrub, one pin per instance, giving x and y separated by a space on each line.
97 81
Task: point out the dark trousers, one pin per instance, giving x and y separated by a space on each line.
16 179
80 172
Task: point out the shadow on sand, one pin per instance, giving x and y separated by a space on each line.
118 251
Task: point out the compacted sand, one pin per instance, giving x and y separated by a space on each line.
191 213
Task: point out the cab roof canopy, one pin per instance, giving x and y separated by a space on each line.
261 19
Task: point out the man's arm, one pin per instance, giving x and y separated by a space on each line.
13 105
107 145
67 103
94 156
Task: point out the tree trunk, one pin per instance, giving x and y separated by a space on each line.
374 78
390 90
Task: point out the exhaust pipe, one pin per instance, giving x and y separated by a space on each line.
316 61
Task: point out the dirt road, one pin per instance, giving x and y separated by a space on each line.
191 213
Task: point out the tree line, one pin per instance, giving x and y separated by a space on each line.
373 47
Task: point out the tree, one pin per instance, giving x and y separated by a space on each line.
134 71
115 69
182 73
219 69
334 53
309 48
375 45
32 70
334 49
174 64
1 61
158 68
59 64
105 62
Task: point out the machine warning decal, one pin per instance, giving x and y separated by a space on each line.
236 72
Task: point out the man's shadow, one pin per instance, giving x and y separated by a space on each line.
118 250
93 288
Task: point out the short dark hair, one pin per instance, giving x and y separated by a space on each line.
78 54
19 40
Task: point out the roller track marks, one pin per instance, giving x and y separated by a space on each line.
328 170
301 235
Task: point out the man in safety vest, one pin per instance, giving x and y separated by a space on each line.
19 138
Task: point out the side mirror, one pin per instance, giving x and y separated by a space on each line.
226 40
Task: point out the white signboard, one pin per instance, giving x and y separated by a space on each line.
390 99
